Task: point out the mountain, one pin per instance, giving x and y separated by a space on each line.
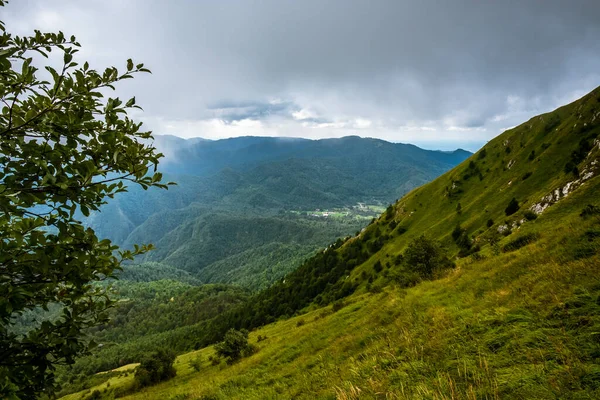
483 283
240 198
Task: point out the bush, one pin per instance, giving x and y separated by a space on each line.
260 338
234 346
490 223
96 395
377 266
407 279
513 207
520 241
461 238
530 215
590 210
155 368
401 230
425 256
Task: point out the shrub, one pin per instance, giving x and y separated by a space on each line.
530 215
234 346
377 266
425 256
400 230
590 210
95 395
520 241
513 207
260 338
462 240
389 212
155 368
407 279
490 223
526 175
592 234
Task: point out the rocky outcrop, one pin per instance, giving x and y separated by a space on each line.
562 192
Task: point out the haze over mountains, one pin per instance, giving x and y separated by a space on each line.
244 203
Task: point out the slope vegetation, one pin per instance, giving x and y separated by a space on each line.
516 314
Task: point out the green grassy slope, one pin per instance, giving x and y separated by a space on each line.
517 318
531 163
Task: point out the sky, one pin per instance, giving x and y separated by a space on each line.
438 74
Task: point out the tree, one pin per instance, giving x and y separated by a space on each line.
377 266
425 256
155 368
64 149
513 207
234 345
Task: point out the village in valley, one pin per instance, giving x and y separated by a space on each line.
358 211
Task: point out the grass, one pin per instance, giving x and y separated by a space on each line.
520 323
506 326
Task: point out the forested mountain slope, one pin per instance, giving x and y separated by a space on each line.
481 284
243 197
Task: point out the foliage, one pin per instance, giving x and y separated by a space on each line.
165 313
520 241
579 154
462 240
234 346
512 207
590 210
251 249
426 256
153 271
196 363
65 149
530 215
155 368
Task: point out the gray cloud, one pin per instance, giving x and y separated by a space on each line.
438 74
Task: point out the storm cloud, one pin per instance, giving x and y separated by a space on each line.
438 74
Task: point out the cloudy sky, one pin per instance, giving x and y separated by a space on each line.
439 74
